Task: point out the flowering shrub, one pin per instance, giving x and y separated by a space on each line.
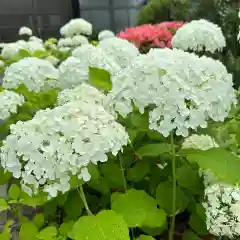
109 143
147 36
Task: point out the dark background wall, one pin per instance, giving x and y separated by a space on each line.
45 17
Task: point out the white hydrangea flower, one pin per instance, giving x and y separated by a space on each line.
199 35
75 69
203 142
183 90
65 49
121 50
222 209
2 63
65 42
53 60
105 34
59 143
10 101
222 201
10 50
77 26
83 92
25 31
36 74
35 39
79 40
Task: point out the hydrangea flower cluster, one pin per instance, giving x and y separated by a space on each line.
199 35
182 89
69 44
10 50
77 26
222 201
157 35
105 34
203 142
111 55
10 101
57 144
83 92
120 50
25 31
36 74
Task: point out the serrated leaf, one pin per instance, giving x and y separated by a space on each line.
153 150
14 192
138 171
144 237
189 235
73 206
222 163
138 209
113 174
28 231
39 220
105 225
100 78
164 197
3 205
47 233
66 228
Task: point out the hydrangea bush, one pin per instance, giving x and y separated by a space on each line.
106 142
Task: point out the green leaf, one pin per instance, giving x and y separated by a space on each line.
153 150
140 121
164 197
102 186
144 237
40 54
39 220
24 53
138 171
222 163
14 192
47 233
28 231
100 78
33 201
189 235
155 135
6 234
104 226
4 176
189 178
73 206
3 205
138 209
94 172
113 174
66 228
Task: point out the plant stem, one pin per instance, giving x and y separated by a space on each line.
123 174
174 184
83 197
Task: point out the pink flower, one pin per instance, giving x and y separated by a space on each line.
148 35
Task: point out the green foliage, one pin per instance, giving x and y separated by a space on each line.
222 163
6 233
4 176
138 171
164 197
157 11
3 205
189 235
39 220
153 150
14 192
104 226
28 231
47 233
144 237
100 78
138 209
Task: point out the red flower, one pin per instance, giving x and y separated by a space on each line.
158 35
